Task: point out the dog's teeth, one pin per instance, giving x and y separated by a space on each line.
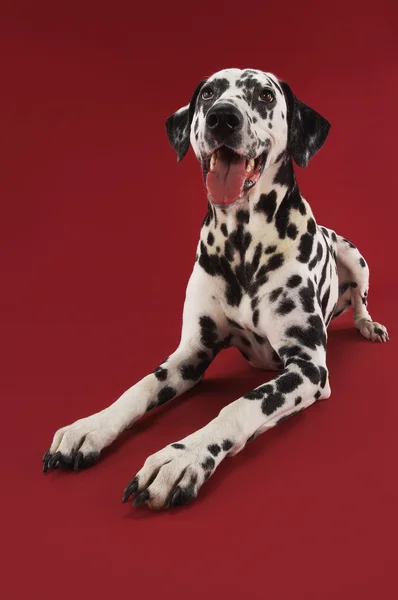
250 165
213 161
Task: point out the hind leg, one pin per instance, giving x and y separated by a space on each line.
353 290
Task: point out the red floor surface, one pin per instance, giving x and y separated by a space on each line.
98 233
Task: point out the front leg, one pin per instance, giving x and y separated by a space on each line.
175 474
203 335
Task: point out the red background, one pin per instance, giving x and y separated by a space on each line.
99 227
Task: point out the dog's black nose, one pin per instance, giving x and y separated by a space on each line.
224 119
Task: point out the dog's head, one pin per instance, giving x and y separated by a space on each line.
239 123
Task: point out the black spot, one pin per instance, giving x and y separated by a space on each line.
210 239
255 317
311 226
292 231
194 372
297 401
208 331
353 284
285 307
178 446
161 373
307 297
227 445
305 247
291 201
294 281
311 336
324 270
243 216
325 301
274 295
267 205
285 174
313 262
362 262
254 302
308 369
219 266
270 249
229 251
224 229
289 382
208 464
166 394
317 395
324 374
214 449
289 351
245 341
272 402
275 262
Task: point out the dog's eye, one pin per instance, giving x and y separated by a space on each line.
267 96
207 93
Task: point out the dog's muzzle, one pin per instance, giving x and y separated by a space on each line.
223 121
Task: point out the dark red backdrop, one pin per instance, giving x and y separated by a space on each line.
98 233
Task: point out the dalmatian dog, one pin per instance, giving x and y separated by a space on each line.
267 279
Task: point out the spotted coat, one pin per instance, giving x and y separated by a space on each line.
267 280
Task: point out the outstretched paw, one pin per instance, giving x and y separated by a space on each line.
174 475
373 331
77 446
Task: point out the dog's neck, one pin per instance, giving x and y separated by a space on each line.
273 209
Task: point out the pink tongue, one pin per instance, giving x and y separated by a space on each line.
225 182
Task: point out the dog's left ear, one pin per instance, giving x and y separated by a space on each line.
178 126
307 129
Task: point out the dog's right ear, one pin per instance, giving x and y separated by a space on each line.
178 126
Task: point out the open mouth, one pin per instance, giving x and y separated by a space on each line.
228 175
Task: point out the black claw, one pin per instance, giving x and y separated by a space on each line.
175 498
78 464
67 461
53 461
46 460
141 498
73 460
182 496
84 461
130 489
